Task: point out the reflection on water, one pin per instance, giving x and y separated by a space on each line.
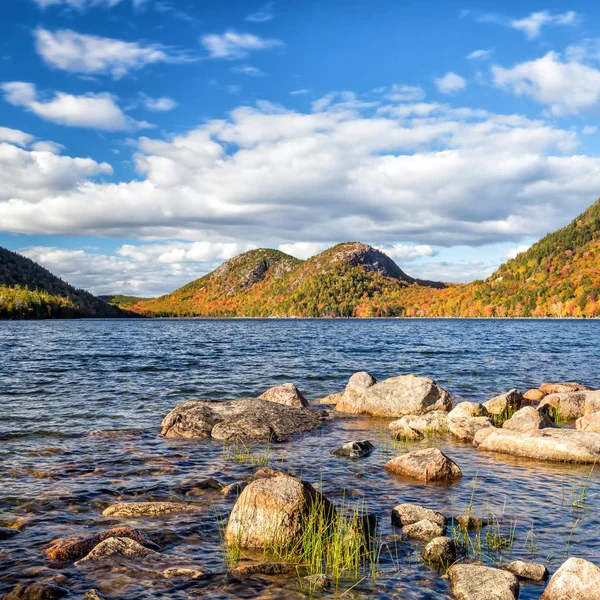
62 380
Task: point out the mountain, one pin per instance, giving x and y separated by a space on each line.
342 281
28 291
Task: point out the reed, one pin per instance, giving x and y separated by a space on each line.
245 452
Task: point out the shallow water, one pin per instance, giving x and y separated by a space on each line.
60 380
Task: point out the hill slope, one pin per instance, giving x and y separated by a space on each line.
28 291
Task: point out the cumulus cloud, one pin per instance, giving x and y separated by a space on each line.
94 55
14 136
407 253
92 111
163 104
532 25
450 83
479 55
405 93
304 250
234 45
564 86
513 252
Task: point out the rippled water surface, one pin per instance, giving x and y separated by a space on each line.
61 380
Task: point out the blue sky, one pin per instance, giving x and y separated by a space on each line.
143 142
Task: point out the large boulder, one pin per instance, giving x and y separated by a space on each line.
527 419
397 397
552 444
465 429
524 570
562 387
355 449
576 579
564 407
475 582
533 396
415 427
248 419
429 464
467 410
287 394
407 514
271 512
504 404
589 422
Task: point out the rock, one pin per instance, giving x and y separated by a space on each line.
533 571
407 514
287 394
533 396
397 397
7 532
265 473
270 568
270 512
113 549
234 489
566 407
418 426
183 573
475 582
332 400
355 449
465 429
36 591
248 418
199 489
562 388
424 530
576 579
76 547
553 444
92 595
589 423
527 419
592 402
466 410
320 581
470 522
440 551
505 404
147 509
429 464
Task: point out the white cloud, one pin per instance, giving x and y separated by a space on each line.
262 15
248 70
513 252
589 129
92 111
450 83
565 87
532 25
458 271
405 93
82 5
163 104
479 55
299 92
405 253
233 45
93 55
14 136
304 250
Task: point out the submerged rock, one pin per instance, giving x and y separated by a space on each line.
466 428
589 423
113 549
320 581
576 579
248 418
92 595
475 582
234 489
287 394
418 426
147 509
184 573
561 445
267 568
524 570
528 419
7 532
440 551
36 591
407 514
396 397
429 464
424 530
270 512
355 449
505 404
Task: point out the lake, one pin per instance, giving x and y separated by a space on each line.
60 380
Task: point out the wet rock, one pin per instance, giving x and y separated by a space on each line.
418 426
505 404
465 429
397 397
147 509
440 551
424 530
576 579
92 595
248 418
332 399
467 410
534 396
527 419
271 512
475 582
7 532
266 473
568 406
74 548
115 433
183 573
562 388
201 488
561 445
267 568
234 489
287 394
524 570
429 464
355 449
113 549
589 423
36 591
316 582
469 522
407 514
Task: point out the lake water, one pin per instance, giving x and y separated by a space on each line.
60 380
